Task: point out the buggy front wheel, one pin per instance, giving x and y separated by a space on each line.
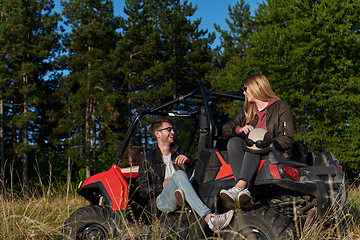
90 222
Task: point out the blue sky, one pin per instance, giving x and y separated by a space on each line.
210 11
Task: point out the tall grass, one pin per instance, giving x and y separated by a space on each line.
338 223
42 217
37 217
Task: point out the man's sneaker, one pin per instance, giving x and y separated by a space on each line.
179 195
220 221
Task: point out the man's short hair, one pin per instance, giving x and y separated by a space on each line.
157 123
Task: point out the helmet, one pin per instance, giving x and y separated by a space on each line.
259 140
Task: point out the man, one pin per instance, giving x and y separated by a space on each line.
164 174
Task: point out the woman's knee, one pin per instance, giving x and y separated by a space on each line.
235 143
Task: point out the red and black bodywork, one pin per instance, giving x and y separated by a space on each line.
111 186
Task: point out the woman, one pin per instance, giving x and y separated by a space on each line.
262 109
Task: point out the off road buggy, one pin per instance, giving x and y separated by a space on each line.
288 194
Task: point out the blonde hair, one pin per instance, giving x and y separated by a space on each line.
260 88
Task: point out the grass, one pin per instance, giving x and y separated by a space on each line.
37 217
42 217
346 221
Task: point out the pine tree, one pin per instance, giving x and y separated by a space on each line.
164 53
234 41
232 51
88 89
28 43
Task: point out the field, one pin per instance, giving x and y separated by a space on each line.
42 217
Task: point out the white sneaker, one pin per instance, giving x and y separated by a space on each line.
220 221
249 205
244 197
237 195
230 194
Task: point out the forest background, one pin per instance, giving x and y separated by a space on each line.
68 97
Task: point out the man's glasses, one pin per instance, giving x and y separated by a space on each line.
259 144
167 128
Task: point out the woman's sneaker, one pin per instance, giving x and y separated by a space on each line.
230 194
244 197
237 195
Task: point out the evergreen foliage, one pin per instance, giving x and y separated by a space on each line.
28 43
226 76
309 50
68 97
90 90
163 53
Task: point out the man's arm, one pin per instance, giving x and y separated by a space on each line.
182 159
146 180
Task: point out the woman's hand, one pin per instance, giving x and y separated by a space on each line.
246 129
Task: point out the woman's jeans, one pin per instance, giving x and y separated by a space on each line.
166 201
243 164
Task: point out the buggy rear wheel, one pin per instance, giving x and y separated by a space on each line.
260 223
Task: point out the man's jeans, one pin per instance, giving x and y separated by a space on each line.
166 201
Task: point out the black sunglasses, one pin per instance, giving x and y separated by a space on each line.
259 144
167 128
245 89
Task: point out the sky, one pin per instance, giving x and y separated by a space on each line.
210 12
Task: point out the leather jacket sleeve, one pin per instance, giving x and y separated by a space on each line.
282 127
149 183
228 130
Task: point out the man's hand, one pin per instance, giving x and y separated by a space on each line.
181 159
165 181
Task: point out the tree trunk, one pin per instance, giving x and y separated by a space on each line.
14 156
87 136
68 178
25 173
2 143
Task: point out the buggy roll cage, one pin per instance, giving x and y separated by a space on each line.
208 97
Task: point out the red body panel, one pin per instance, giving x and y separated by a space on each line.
260 165
132 172
115 185
275 171
225 169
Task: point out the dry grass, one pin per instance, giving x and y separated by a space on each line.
37 217
43 217
337 223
